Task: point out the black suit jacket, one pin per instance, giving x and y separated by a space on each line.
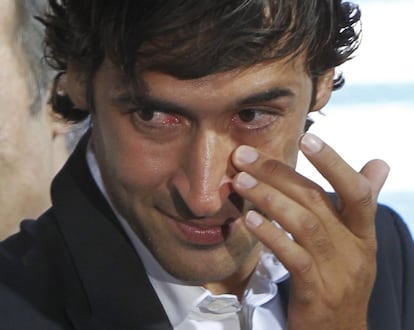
74 267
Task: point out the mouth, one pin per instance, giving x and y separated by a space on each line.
202 233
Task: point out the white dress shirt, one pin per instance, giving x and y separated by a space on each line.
191 307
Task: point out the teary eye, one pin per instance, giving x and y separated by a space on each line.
146 114
247 115
254 119
152 118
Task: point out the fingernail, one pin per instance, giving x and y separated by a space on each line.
246 154
253 219
311 144
246 181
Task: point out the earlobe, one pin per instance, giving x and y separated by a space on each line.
323 87
59 130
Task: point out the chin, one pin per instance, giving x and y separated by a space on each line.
198 266
200 274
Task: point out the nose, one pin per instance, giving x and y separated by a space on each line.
203 183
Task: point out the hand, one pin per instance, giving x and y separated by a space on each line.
332 259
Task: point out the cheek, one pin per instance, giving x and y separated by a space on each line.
290 152
128 161
146 169
285 151
283 145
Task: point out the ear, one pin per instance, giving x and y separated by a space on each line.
74 85
59 145
57 129
323 91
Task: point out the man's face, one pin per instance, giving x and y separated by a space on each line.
26 163
166 162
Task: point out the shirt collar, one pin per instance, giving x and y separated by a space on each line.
180 299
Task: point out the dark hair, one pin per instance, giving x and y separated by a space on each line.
194 38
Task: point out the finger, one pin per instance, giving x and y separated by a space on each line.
357 192
338 172
295 258
376 171
286 180
307 229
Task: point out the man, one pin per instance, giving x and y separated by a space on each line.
32 143
173 210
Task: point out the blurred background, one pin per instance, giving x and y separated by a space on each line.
372 116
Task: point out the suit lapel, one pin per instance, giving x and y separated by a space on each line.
112 275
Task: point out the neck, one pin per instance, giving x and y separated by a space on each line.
236 283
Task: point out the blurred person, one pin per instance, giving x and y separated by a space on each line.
33 143
173 209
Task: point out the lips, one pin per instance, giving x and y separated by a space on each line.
203 236
203 233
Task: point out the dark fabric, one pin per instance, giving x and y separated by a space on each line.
74 268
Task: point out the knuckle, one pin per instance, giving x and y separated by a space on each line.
268 201
357 268
308 225
361 272
363 194
277 235
316 195
336 298
361 265
312 230
302 267
340 293
334 162
324 247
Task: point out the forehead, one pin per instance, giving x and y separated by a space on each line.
287 72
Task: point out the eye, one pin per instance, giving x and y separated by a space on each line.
155 119
253 119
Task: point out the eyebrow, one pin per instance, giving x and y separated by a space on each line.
153 102
266 96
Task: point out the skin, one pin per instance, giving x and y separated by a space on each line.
182 165
332 261
31 146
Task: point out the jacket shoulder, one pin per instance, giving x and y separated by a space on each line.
392 300
34 266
